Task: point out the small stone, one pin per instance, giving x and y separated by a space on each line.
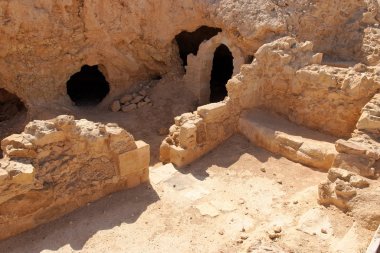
279 182
243 229
147 100
295 202
358 182
128 108
277 229
115 106
126 98
143 93
240 241
244 237
241 201
137 99
323 231
263 170
273 236
141 104
221 232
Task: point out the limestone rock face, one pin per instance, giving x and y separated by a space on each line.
44 42
58 165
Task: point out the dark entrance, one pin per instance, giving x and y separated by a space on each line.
10 105
222 70
87 87
189 42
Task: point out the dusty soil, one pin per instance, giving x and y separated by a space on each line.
227 201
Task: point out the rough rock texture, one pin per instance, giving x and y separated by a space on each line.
358 156
361 153
286 77
56 166
195 134
352 193
44 42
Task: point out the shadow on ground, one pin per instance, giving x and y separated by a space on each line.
226 155
76 228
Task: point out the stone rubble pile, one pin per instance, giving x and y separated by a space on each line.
131 102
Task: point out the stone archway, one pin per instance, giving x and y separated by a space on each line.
199 69
222 69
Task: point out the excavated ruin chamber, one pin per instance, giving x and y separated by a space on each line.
188 42
222 70
88 87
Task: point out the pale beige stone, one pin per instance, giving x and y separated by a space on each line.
214 112
74 159
135 161
188 136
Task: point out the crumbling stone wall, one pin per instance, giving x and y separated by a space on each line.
288 78
195 134
56 166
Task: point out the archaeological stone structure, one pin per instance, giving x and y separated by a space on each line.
56 166
297 78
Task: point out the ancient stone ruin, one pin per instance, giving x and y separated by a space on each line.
258 126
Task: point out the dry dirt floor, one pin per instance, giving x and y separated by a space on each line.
231 200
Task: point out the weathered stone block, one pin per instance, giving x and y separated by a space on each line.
215 112
135 161
188 135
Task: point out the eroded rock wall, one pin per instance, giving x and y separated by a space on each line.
56 166
44 42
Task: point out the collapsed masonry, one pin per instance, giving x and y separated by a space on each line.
277 102
59 165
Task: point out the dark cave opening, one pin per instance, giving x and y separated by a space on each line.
10 105
222 70
189 42
88 87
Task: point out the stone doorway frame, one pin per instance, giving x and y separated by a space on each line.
198 70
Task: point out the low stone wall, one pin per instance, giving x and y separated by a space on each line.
282 137
195 134
56 166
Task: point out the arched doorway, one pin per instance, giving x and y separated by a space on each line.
87 87
221 72
188 42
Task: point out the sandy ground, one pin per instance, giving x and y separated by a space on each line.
228 201
206 207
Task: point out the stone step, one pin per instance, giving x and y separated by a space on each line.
287 139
